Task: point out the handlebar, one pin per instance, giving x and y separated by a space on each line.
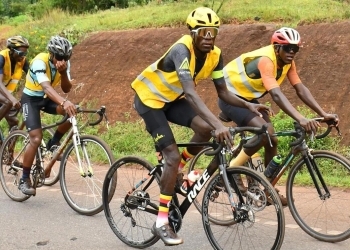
101 112
300 132
256 130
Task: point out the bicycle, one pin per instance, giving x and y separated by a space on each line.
133 208
316 188
83 166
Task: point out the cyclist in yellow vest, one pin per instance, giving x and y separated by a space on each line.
165 91
13 62
46 71
262 71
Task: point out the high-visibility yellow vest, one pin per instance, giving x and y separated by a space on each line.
240 83
34 85
156 87
8 79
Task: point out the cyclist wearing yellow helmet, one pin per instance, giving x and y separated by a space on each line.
13 62
165 91
262 71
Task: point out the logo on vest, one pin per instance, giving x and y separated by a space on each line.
185 64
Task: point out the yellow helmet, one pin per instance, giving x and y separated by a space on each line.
17 41
202 17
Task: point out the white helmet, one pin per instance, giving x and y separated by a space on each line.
286 36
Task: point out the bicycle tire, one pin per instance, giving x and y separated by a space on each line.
264 224
54 176
9 176
82 188
329 219
136 190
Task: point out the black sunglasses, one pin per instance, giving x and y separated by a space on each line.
61 58
20 53
290 47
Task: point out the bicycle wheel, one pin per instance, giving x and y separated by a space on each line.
260 222
326 218
82 186
47 156
133 209
11 154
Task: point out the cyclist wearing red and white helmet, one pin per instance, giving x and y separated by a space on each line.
13 63
165 91
262 71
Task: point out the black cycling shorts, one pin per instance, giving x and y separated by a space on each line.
157 121
31 107
241 116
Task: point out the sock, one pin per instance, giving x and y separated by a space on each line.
241 158
26 173
56 138
164 202
185 157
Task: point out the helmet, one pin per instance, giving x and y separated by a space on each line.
60 46
286 36
202 17
17 41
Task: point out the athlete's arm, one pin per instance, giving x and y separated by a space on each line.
62 67
3 89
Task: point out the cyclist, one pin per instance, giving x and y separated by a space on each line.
165 91
13 62
46 71
262 71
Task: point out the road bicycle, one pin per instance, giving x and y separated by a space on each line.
317 185
256 220
83 165
47 135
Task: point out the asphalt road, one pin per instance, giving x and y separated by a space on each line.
47 222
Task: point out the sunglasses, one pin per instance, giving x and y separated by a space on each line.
207 32
290 47
20 53
61 58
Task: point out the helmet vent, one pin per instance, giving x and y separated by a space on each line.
209 17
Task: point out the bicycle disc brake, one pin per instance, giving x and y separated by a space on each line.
256 198
175 218
245 215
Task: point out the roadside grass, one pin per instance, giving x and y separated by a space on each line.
171 14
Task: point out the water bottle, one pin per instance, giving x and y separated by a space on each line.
192 177
273 166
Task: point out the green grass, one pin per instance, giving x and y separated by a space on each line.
171 14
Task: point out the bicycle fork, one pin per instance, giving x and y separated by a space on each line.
76 143
316 176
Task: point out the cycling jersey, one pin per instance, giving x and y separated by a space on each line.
12 71
248 85
41 70
158 85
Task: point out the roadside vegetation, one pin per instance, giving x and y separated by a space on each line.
42 19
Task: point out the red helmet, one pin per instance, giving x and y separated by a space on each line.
286 36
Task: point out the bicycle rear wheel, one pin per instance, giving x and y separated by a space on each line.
11 156
326 218
260 224
82 187
133 209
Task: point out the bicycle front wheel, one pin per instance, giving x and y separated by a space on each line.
258 222
324 216
82 171
11 154
132 210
